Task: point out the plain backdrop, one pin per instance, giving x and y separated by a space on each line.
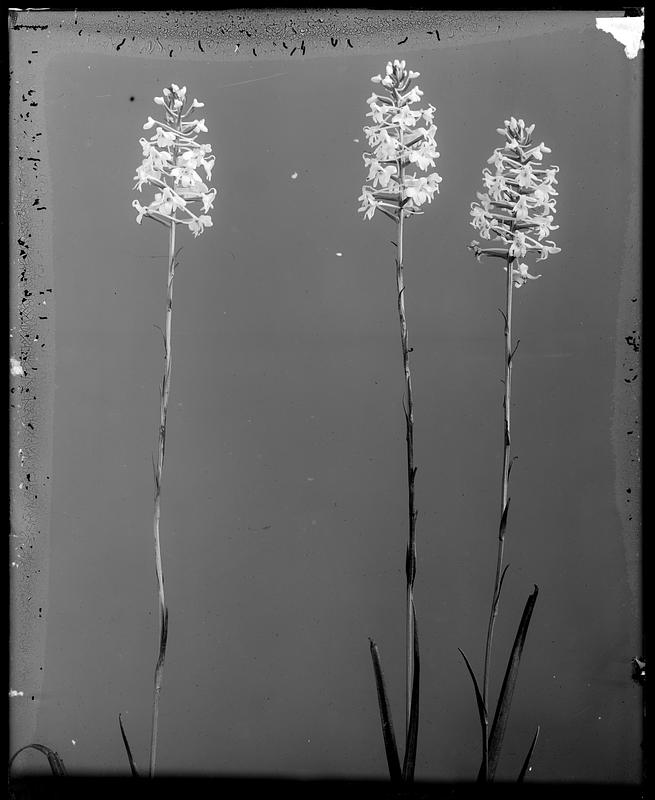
284 496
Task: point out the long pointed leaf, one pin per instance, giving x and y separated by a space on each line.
481 771
526 763
482 712
54 759
409 762
503 520
500 588
135 774
388 735
509 684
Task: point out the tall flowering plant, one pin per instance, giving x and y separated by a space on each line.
402 144
517 211
172 160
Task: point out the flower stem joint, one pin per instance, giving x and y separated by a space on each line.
518 207
171 160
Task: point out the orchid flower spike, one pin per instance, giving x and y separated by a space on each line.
400 136
517 209
171 160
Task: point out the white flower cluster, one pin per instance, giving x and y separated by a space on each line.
397 142
171 159
519 204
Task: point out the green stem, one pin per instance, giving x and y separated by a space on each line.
410 560
163 412
504 495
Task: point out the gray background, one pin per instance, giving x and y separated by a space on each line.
284 496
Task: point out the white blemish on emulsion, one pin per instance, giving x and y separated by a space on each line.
15 367
626 30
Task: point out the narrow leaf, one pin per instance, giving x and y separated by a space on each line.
509 684
54 759
388 735
391 216
163 615
162 335
387 196
160 221
409 763
500 589
503 520
526 763
133 768
482 712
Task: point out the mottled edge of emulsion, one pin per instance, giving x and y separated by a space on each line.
35 37
627 395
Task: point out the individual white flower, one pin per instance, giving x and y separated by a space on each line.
518 247
141 211
406 117
428 113
208 200
164 139
550 248
524 176
521 209
198 224
368 203
544 225
424 155
146 173
521 275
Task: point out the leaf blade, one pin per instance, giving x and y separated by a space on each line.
501 716
526 763
54 759
388 734
482 713
409 762
133 768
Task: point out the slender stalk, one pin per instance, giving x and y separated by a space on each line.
504 501
163 412
410 561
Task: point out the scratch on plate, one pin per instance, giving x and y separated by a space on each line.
253 80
